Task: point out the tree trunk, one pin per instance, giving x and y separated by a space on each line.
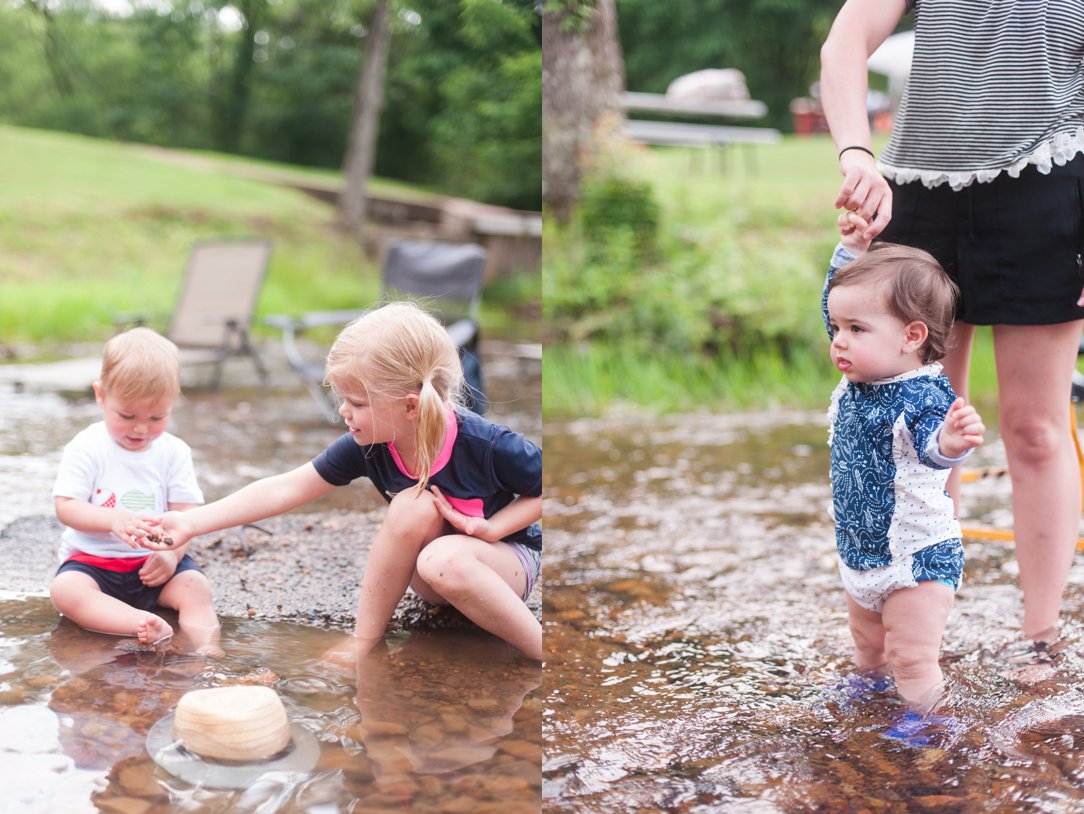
54 49
368 99
233 104
582 81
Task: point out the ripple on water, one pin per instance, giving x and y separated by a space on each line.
442 722
697 635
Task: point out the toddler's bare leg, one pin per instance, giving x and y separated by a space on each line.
868 632
914 621
78 597
189 593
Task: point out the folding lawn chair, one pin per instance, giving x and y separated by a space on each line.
211 320
217 303
444 278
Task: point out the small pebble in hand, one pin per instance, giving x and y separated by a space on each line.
160 539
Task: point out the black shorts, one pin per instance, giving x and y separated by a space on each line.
126 585
1015 246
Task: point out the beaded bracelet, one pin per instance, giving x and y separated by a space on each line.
857 147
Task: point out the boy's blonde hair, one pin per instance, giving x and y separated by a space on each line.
399 350
915 288
140 364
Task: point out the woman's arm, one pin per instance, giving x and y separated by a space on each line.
859 28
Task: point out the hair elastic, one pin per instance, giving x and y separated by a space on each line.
857 147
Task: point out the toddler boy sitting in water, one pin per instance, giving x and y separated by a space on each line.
116 478
896 427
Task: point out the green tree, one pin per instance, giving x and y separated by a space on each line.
775 43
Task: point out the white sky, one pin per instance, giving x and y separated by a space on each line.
229 18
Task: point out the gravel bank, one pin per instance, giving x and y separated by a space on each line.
307 570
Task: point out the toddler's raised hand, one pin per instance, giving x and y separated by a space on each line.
851 227
963 430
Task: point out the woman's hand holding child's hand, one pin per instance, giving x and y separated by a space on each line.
962 430
471 526
851 227
865 191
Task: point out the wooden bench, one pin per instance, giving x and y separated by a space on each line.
727 108
681 134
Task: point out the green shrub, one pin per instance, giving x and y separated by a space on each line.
617 207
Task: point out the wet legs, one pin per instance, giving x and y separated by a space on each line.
905 637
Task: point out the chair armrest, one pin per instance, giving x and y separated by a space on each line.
463 332
314 319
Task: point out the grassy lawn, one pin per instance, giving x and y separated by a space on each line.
758 229
92 228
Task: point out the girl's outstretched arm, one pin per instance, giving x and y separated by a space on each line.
263 498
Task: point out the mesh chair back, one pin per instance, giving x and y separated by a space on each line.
446 275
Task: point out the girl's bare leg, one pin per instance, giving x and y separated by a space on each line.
78 597
411 523
1034 370
484 581
914 622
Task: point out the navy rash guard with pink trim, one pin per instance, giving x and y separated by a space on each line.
488 462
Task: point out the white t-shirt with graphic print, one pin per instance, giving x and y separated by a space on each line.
95 469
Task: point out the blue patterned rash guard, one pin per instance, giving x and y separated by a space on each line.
888 476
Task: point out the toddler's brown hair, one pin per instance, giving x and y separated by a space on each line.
915 288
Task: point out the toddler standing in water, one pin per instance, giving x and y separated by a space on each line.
116 478
896 428
464 494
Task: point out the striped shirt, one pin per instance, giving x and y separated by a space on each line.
995 85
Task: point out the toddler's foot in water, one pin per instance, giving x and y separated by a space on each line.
918 731
153 630
862 686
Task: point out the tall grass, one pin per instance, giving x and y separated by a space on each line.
742 254
92 229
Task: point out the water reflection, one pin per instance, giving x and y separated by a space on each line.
696 639
441 723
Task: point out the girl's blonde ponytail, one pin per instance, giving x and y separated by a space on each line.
396 351
430 434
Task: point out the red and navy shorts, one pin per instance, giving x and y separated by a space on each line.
126 585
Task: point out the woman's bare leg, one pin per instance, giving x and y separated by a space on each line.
1034 370
957 366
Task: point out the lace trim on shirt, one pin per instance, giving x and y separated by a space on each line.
1060 150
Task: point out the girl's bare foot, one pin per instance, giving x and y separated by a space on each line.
153 629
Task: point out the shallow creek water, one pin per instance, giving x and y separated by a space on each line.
443 722
697 639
